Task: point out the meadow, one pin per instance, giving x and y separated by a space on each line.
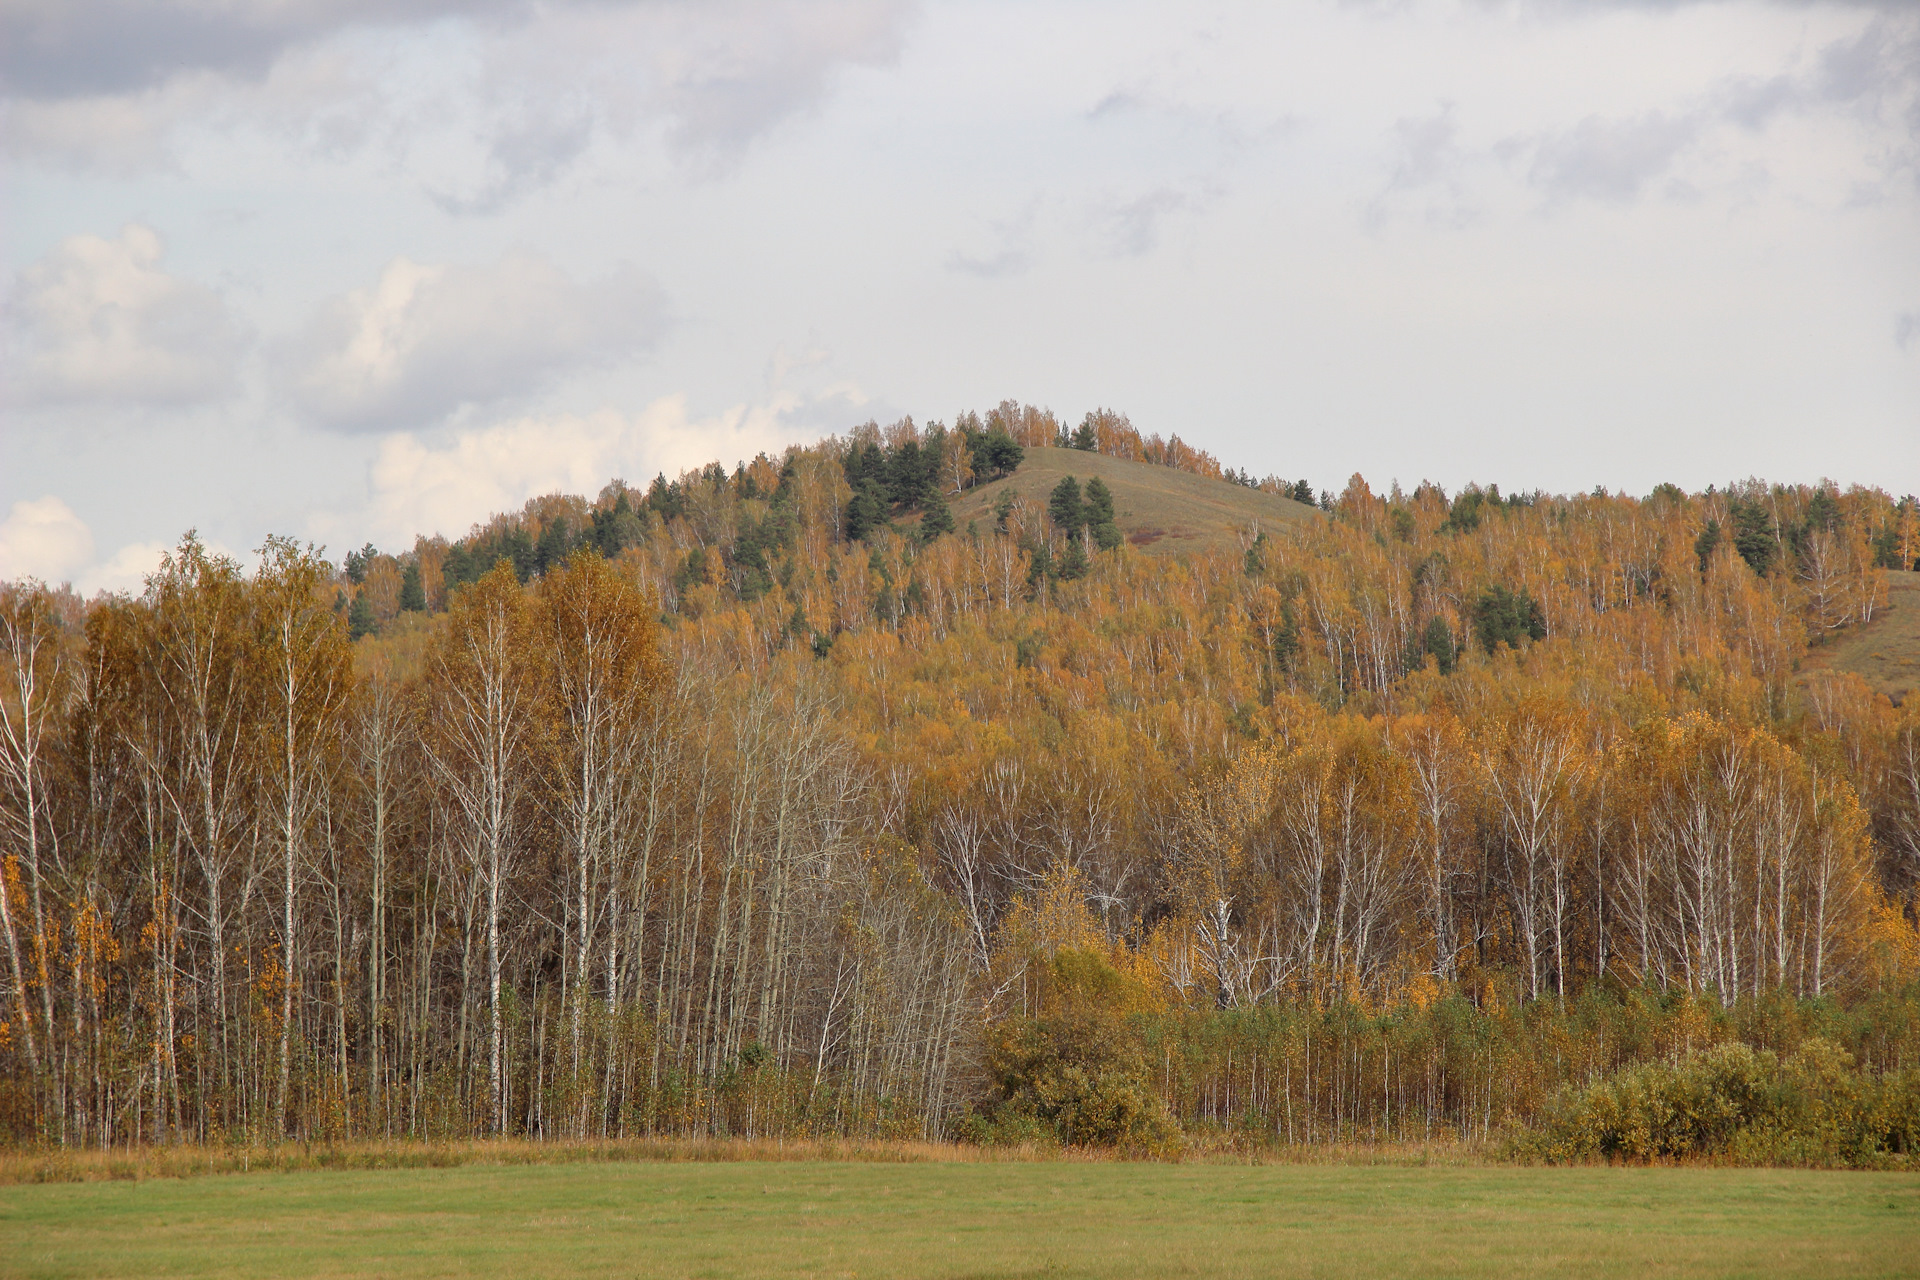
970 1219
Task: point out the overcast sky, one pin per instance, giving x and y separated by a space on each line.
354 270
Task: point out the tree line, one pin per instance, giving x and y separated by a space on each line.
716 817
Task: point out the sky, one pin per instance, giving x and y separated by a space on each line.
358 270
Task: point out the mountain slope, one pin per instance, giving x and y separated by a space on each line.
1885 652
1160 510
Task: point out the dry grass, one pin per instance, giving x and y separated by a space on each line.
1160 510
1885 652
135 1164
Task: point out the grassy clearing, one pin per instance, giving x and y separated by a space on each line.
1162 511
1885 652
840 1218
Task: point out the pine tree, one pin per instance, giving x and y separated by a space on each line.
937 518
1064 505
360 619
413 597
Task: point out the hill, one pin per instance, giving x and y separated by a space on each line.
1885 652
1161 511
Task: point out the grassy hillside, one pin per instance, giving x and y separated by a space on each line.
1885 652
1162 511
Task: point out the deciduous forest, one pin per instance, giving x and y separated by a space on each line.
780 801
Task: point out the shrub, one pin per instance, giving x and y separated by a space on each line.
1732 1102
1078 1071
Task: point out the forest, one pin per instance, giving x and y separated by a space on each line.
774 802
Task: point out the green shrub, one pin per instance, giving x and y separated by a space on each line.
1078 1072
1732 1102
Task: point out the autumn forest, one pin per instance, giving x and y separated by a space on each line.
859 792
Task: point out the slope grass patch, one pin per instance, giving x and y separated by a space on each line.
1886 652
1159 510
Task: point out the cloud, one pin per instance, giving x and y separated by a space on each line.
108 82
1906 330
423 485
1427 163
98 321
1011 253
427 340
524 155
727 73
1134 227
126 570
1609 160
76 48
44 539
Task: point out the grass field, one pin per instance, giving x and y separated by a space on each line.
1160 510
955 1220
1885 652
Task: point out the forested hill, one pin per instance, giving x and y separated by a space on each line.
890 786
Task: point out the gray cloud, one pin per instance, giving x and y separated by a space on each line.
97 321
427 340
103 80
1609 160
1134 226
525 155
731 72
1906 330
71 48
1011 254
1426 170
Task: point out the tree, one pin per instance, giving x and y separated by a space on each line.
413 597
360 619
1063 504
1073 561
1506 617
1099 512
1705 545
604 678
1753 535
997 455
37 684
1437 640
554 544
307 677
484 673
937 518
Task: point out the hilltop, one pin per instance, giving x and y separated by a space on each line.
1162 511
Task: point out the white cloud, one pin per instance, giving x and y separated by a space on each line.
99 321
427 340
420 485
126 570
42 538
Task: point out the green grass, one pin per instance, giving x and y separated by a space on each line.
952 1220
